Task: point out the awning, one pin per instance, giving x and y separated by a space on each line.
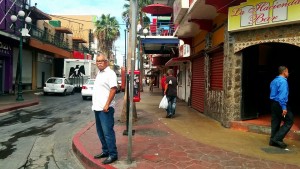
63 30
79 40
177 61
159 61
159 44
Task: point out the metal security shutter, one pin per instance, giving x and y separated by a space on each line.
216 71
198 84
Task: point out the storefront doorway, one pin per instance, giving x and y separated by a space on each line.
260 63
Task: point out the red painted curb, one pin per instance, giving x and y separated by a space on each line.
18 106
86 159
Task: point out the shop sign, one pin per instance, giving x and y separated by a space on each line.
180 7
184 50
180 51
255 14
5 49
44 58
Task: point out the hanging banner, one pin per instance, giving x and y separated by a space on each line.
255 14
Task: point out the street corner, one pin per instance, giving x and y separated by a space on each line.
82 152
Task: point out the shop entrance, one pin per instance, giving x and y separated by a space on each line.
260 63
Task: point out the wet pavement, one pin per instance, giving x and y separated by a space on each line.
39 136
188 141
8 102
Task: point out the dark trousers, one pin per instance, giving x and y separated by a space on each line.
106 133
279 132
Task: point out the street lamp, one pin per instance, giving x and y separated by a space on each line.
145 32
23 32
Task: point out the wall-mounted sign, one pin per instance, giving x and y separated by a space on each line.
180 51
5 49
180 7
44 58
184 50
263 13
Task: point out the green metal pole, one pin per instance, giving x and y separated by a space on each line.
20 96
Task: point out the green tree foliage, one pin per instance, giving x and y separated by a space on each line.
107 32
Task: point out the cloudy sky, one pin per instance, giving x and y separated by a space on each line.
88 7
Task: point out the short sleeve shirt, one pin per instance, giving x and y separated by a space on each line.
172 86
105 80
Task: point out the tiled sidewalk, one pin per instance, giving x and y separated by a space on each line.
157 145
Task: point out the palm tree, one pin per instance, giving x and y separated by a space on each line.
143 18
107 32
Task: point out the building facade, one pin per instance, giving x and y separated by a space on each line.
235 51
43 48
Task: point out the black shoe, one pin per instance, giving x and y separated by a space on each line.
169 116
110 160
102 155
279 144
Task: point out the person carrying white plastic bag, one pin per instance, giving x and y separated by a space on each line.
163 103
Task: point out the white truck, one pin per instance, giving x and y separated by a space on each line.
79 70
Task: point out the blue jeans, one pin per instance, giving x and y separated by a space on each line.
105 129
171 105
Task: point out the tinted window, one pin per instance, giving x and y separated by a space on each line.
55 81
50 81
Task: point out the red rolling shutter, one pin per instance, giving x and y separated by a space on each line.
216 71
198 84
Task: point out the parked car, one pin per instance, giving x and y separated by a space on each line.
58 85
87 89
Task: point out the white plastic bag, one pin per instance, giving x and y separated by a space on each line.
163 103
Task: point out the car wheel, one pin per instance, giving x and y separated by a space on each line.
72 93
65 93
84 97
45 93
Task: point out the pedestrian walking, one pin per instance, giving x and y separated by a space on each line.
163 83
104 91
280 109
151 83
171 93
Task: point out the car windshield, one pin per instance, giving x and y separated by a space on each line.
91 82
55 81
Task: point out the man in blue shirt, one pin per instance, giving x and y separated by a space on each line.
279 108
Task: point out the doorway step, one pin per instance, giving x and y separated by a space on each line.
262 125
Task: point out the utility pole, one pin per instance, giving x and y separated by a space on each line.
133 6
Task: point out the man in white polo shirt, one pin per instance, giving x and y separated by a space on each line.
105 88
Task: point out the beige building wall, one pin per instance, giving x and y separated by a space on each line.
78 24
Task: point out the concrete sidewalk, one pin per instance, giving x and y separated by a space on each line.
190 141
8 102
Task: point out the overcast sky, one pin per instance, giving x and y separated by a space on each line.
88 7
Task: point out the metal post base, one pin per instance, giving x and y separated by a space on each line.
125 132
19 97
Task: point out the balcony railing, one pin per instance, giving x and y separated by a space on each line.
160 29
48 38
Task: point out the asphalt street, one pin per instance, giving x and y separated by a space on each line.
41 136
